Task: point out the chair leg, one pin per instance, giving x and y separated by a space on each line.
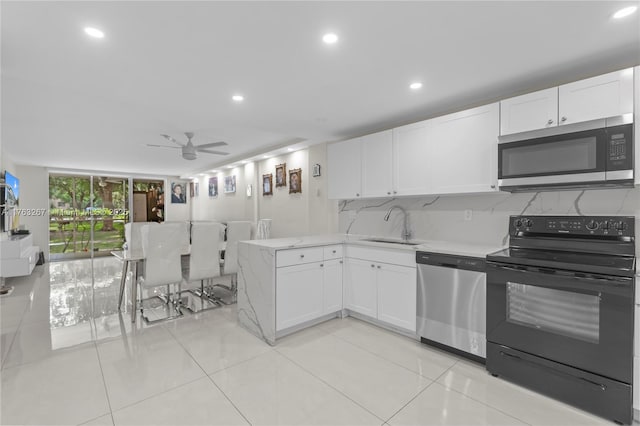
167 300
204 297
232 289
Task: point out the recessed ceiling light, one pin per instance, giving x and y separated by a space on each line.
330 38
289 149
265 156
238 98
625 12
214 171
231 166
415 86
244 161
94 32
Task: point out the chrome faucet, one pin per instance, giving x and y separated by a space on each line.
406 234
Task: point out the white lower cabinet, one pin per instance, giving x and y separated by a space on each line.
298 294
383 291
397 295
361 294
332 286
306 291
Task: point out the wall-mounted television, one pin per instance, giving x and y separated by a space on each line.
9 200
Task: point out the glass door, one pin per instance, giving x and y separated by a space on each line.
108 213
87 215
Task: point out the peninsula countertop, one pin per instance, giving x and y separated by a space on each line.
444 247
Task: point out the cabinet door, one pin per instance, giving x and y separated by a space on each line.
411 164
332 298
377 178
397 295
298 294
598 97
532 111
344 169
360 293
464 150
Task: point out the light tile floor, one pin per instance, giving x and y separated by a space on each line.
69 357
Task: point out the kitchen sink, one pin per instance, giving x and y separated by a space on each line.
391 241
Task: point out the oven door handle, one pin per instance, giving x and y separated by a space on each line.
596 279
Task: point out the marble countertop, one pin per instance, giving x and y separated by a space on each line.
444 247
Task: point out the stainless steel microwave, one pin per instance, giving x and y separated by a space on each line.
591 154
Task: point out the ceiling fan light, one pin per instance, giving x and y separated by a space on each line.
189 155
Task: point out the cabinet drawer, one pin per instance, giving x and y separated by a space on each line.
373 254
298 256
333 252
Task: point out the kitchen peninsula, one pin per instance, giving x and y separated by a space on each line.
287 284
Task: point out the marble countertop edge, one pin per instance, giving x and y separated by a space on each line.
444 247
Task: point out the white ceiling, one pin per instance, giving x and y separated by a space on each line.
69 101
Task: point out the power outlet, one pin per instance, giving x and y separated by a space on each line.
468 215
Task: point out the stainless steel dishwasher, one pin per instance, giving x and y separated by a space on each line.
452 303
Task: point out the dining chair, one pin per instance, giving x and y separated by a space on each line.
203 262
236 231
133 235
162 266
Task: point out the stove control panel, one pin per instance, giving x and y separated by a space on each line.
618 226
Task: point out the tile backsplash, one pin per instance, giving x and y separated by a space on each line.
479 218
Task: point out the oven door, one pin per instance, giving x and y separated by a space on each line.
578 319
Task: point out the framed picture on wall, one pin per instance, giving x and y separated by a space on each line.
267 184
295 181
229 184
213 186
193 189
178 193
281 175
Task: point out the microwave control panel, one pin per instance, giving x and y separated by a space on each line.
620 147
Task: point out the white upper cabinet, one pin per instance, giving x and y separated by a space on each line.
377 164
344 169
463 148
603 96
411 164
532 111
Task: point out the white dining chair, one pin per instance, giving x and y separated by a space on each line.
162 266
203 262
133 235
236 231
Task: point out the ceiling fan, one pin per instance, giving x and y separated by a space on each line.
189 150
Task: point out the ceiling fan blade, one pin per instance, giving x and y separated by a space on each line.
169 138
211 145
213 152
164 146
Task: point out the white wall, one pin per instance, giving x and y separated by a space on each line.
34 194
296 214
229 206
